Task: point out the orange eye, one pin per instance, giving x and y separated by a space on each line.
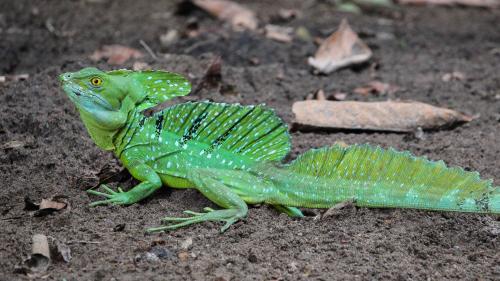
96 81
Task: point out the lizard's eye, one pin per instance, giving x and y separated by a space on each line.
96 81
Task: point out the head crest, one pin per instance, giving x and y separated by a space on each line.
160 86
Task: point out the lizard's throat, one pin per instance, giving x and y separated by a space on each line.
100 133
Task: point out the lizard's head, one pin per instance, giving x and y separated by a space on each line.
104 99
99 97
91 88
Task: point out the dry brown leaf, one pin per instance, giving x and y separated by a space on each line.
279 33
377 88
378 116
234 13
474 3
49 206
341 49
116 54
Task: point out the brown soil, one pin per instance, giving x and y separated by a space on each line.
44 38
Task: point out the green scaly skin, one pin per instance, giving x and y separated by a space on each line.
233 155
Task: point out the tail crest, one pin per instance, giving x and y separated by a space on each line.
388 178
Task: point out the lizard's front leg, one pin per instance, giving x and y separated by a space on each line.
219 193
150 181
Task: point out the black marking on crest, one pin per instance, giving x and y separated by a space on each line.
143 119
220 139
159 124
193 129
213 118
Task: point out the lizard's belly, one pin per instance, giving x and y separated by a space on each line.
176 182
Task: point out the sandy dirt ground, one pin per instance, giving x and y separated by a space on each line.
413 48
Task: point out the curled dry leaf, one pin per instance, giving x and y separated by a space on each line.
279 33
341 49
236 14
473 3
39 260
378 116
116 54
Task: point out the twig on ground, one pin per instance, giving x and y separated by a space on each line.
83 242
148 49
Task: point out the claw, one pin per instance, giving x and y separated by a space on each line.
196 217
192 213
169 227
113 197
175 219
111 191
229 222
102 202
91 191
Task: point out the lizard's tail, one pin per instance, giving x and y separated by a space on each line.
375 177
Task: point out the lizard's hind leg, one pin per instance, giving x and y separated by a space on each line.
219 193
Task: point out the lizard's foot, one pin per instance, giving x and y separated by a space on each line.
229 216
119 197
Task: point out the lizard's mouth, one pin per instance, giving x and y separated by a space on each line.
85 98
